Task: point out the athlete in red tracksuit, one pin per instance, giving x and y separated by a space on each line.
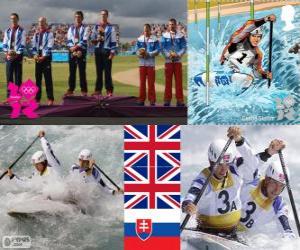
147 47
174 46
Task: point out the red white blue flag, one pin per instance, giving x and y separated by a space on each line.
152 186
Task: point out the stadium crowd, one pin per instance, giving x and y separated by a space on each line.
60 31
159 29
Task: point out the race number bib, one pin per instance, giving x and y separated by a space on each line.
226 204
247 220
243 57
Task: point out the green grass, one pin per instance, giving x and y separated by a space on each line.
60 73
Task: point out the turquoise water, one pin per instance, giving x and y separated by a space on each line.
258 104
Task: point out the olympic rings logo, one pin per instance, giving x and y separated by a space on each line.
28 90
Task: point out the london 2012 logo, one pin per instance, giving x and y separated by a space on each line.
22 99
286 108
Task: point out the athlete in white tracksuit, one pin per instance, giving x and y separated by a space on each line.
220 208
45 162
89 172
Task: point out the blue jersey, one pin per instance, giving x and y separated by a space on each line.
78 36
151 46
16 42
175 42
108 37
42 43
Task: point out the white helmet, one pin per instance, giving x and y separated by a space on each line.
215 149
38 157
257 31
275 172
85 155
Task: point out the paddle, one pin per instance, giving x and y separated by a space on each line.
107 177
20 156
198 197
289 191
270 51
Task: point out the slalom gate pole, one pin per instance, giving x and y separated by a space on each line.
252 9
207 50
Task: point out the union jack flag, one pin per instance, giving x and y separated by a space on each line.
152 166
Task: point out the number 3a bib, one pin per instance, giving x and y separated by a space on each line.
220 208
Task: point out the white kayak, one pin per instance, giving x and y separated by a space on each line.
196 240
216 79
38 206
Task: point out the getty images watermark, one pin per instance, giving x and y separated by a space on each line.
16 241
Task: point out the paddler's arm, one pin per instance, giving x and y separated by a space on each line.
248 157
281 211
11 175
51 158
287 231
187 205
246 151
108 189
22 182
249 26
101 182
258 66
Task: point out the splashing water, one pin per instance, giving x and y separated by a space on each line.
195 142
96 221
256 105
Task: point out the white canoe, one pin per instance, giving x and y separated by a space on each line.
195 240
216 79
38 207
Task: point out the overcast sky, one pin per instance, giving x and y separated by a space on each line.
129 14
